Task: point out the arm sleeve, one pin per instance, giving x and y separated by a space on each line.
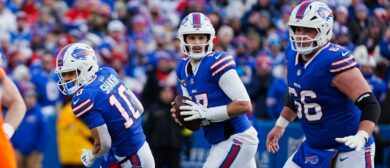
232 86
105 139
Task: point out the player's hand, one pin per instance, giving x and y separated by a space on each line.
356 142
194 111
173 113
87 157
273 139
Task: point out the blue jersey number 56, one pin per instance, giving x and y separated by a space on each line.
303 107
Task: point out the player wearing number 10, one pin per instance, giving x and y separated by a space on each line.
99 98
335 106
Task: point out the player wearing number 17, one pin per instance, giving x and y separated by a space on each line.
111 111
218 96
336 107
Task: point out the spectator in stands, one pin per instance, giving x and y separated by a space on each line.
163 75
343 38
7 18
259 87
367 67
163 134
277 91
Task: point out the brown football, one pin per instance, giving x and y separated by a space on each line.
191 125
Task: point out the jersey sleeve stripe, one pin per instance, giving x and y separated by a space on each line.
343 68
81 105
221 60
344 60
230 63
85 111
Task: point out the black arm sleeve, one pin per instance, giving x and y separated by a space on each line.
369 107
289 102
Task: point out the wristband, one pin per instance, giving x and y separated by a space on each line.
282 122
8 130
363 134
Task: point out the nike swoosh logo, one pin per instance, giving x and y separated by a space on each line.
342 159
217 57
75 102
344 53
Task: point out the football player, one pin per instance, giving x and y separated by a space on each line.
327 92
12 99
100 99
218 96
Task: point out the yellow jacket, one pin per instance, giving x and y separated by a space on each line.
73 136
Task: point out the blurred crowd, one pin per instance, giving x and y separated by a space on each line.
138 39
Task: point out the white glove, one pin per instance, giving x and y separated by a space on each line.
87 157
193 111
8 130
356 142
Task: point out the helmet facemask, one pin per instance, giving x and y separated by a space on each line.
303 44
71 86
205 48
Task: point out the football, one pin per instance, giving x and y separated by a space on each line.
191 125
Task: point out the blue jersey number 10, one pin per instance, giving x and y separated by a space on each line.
124 94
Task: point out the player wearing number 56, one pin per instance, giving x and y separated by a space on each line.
216 96
327 92
100 99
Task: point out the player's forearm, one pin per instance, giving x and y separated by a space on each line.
367 126
238 107
12 99
224 112
15 113
102 140
288 114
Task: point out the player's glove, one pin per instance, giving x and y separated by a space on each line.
194 111
87 157
356 142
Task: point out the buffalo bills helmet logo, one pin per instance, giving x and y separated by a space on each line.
325 13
